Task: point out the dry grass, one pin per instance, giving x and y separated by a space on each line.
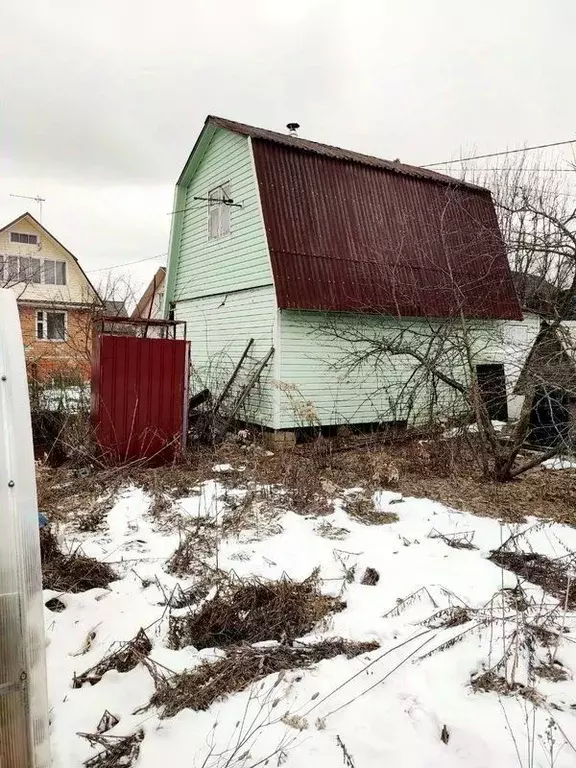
361 507
253 611
115 751
81 496
124 659
199 688
72 572
556 577
491 681
443 470
255 515
554 671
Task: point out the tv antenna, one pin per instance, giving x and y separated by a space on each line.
37 199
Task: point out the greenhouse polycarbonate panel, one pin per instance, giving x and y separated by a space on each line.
24 738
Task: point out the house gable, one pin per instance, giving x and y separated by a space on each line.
33 287
201 264
353 233
151 302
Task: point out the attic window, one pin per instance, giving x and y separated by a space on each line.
21 237
219 211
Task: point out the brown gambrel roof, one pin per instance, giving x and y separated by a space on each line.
354 233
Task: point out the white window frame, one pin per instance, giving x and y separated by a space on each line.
42 319
219 224
16 235
6 273
55 262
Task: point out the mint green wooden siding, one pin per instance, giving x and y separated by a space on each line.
238 260
319 386
219 328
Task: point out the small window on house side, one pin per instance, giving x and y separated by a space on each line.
219 211
21 237
51 326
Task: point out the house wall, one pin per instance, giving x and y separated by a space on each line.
239 260
223 287
219 328
77 290
512 346
321 382
47 359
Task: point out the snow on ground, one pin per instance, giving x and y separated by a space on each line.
388 707
559 462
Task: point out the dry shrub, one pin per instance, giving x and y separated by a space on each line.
371 577
128 656
116 751
362 508
329 531
196 546
71 495
556 577
491 681
457 540
257 511
254 611
198 688
554 671
72 572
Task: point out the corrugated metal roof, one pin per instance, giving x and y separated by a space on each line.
353 233
346 236
337 153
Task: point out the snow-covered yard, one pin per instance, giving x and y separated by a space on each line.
442 614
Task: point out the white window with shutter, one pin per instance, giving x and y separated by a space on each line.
219 200
51 326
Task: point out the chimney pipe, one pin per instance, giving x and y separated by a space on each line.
293 129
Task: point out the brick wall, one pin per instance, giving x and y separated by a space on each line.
48 359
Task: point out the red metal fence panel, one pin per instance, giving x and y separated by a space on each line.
139 397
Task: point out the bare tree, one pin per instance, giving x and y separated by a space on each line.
438 359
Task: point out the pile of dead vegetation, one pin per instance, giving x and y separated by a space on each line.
126 657
557 577
72 571
254 611
199 688
82 496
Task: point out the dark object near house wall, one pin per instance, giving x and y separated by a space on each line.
492 383
552 418
140 397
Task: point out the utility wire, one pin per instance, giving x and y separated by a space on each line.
522 170
128 263
500 154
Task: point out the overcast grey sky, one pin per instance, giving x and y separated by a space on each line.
102 101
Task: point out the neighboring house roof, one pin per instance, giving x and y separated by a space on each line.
353 233
27 214
115 309
539 295
153 288
551 364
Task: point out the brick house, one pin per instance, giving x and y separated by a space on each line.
56 300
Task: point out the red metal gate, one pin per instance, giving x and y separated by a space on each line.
139 397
